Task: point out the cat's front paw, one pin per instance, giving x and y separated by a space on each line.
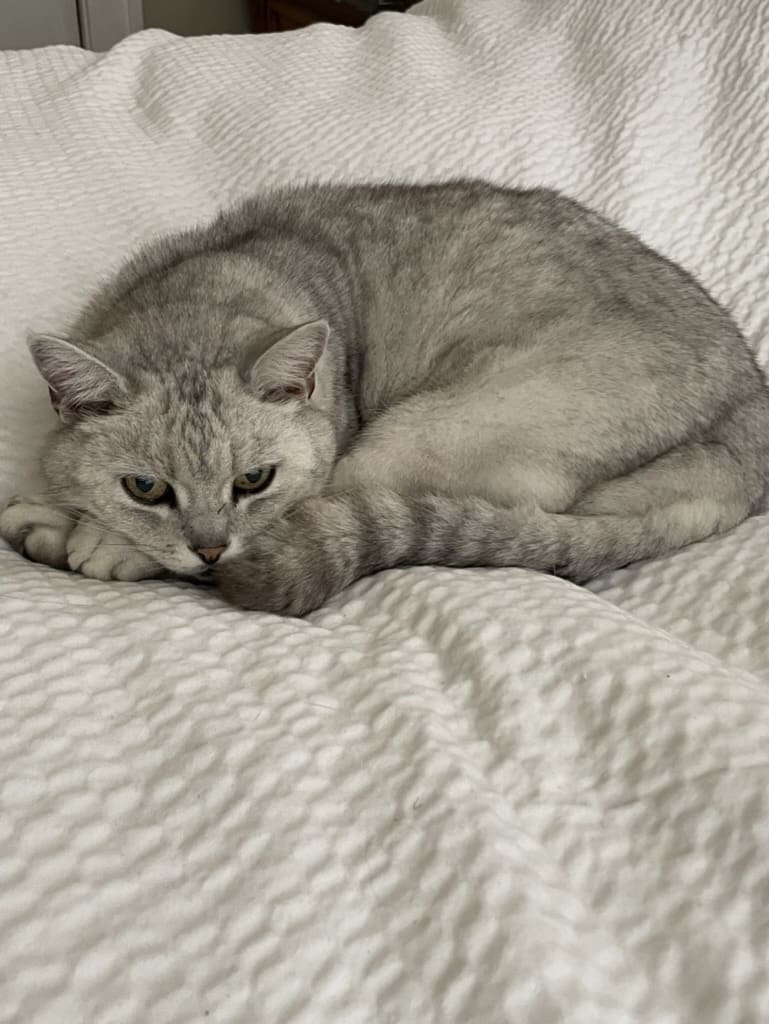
38 530
103 555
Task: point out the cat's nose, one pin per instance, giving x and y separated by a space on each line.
211 555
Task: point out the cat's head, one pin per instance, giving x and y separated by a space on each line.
190 460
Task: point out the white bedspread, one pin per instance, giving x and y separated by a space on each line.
479 797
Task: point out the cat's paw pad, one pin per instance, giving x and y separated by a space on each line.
37 530
102 555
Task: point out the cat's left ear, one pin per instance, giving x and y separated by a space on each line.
79 384
286 371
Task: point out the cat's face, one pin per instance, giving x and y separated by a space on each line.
189 466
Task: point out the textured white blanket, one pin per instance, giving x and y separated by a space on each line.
480 797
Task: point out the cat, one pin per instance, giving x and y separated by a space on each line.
327 381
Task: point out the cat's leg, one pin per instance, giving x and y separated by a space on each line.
468 446
64 540
103 555
38 530
719 480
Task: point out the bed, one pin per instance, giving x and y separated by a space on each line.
466 797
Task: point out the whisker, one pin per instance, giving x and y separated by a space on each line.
72 517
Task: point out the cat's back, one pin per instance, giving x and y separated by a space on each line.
421 220
525 251
452 268
467 255
422 267
515 250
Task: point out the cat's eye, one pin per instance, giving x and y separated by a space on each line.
253 481
147 489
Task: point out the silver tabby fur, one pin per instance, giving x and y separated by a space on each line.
501 378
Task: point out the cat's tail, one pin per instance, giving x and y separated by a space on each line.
683 496
384 530
331 542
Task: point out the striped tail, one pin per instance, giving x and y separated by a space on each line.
384 529
332 541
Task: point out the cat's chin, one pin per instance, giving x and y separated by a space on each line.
198 572
205 578
194 573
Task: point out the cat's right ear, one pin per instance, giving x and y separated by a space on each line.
79 384
286 370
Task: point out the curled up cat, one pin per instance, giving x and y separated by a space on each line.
328 381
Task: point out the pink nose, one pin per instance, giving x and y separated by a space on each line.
210 555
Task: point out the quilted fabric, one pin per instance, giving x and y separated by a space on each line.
472 797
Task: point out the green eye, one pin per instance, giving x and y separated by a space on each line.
253 481
147 489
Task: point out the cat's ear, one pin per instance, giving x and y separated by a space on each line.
286 370
78 383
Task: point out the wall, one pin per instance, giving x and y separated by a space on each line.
28 23
198 17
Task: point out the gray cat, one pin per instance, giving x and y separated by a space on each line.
328 381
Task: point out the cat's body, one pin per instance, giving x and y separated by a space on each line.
505 379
